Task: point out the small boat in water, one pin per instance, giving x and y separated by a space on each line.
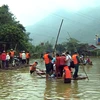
40 72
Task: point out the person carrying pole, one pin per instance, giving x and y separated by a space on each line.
76 61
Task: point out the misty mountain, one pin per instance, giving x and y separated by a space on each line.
83 26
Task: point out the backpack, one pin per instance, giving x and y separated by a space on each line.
78 59
72 64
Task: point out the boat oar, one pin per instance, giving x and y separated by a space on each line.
85 72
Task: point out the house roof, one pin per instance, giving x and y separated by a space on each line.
93 47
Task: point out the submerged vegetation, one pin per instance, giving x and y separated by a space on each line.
13 35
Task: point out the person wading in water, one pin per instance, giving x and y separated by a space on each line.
67 74
33 67
47 59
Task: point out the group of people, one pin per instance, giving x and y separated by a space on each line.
85 60
10 58
59 65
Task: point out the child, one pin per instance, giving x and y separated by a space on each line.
33 67
67 75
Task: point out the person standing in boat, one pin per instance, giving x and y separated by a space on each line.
57 64
62 63
76 60
47 59
68 60
53 64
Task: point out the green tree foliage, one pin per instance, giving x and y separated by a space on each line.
5 15
12 32
13 35
41 48
82 48
72 44
61 48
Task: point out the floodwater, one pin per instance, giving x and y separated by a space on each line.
20 85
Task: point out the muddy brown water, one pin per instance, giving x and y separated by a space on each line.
18 84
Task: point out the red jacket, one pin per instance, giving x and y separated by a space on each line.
57 61
62 60
3 56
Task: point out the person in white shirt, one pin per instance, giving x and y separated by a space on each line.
7 60
68 59
23 57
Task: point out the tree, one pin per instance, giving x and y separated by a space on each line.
5 15
72 44
61 48
12 32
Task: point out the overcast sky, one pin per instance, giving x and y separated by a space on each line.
29 12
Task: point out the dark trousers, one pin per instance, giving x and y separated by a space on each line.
48 68
23 61
61 67
3 63
67 80
0 64
11 59
7 63
27 60
76 71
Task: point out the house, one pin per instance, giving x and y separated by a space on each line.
91 47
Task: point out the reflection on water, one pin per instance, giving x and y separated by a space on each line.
20 85
56 89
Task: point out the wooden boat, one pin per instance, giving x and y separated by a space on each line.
40 72
80 78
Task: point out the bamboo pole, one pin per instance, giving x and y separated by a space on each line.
82 65
85 72
58 35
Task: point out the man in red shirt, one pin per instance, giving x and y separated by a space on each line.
62 63
3 58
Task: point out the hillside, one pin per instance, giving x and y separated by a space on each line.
81 25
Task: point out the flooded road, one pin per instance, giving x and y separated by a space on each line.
20 85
